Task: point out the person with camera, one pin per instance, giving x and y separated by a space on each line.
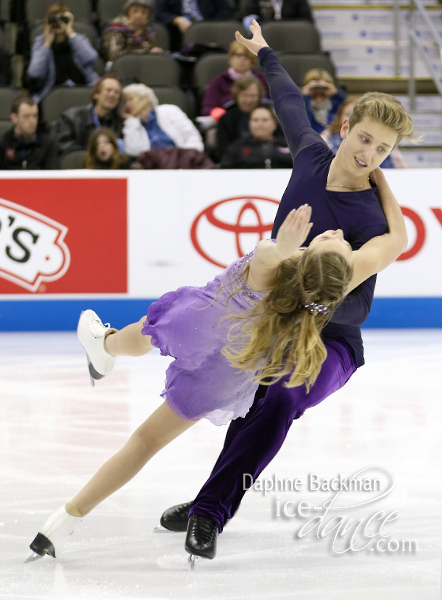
322 98
60 56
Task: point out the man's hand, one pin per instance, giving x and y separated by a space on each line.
257 42
293 231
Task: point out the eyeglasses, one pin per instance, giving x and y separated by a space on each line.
239 55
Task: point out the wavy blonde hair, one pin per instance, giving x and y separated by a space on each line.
279 336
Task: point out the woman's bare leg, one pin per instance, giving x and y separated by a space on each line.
128 341
157 431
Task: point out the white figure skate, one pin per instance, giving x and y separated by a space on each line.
91 333
53 535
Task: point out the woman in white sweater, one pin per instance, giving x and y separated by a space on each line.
150 125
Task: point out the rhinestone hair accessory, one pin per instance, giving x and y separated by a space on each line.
314 307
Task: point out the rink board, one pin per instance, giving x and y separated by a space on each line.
70 240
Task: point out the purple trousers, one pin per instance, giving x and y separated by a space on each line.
253 441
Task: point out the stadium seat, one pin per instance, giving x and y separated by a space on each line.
62 98
218 33
297 65
150 69
206 68
300 37
73 160
7 95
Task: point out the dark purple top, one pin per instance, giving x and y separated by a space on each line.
358 214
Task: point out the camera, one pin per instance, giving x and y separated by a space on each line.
56 19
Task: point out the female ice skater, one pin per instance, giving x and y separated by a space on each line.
259 319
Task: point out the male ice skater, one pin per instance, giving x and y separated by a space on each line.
342 197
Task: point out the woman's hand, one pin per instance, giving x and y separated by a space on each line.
293 231
69 26
49 36
257 42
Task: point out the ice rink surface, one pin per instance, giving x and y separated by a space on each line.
56 430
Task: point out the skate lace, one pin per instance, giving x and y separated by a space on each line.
204 528
97 327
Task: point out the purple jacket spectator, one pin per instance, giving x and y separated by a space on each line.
219 91
42 65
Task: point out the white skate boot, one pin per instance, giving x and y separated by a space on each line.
91 333
53 535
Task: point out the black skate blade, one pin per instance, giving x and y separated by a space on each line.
192 561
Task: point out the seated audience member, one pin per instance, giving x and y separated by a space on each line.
219 90
149 125
269 10
247 93
332 135
261 149
60 56
322 98
131 32
76 124
23 146
103 151
178 15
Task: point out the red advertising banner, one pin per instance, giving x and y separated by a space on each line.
63 236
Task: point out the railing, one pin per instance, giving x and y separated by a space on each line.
416 44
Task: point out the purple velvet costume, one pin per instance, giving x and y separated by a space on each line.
187 324
252 442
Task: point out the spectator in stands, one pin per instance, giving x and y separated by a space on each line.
261 149
59 55
103 151
247 93
23 146
269 10
178 15
219 90
76 124
150 125
322 98
332 135
131 32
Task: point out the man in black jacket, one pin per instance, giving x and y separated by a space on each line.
76 124
178 15
23 146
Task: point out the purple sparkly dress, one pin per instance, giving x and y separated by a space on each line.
185 324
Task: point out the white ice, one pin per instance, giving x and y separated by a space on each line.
56 430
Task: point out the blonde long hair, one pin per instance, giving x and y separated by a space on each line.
280 336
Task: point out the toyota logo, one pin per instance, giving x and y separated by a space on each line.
230 228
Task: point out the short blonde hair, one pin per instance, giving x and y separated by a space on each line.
384 108
237 48
315 74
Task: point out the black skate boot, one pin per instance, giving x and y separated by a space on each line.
201 537
175 518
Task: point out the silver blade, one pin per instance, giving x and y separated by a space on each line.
33 557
